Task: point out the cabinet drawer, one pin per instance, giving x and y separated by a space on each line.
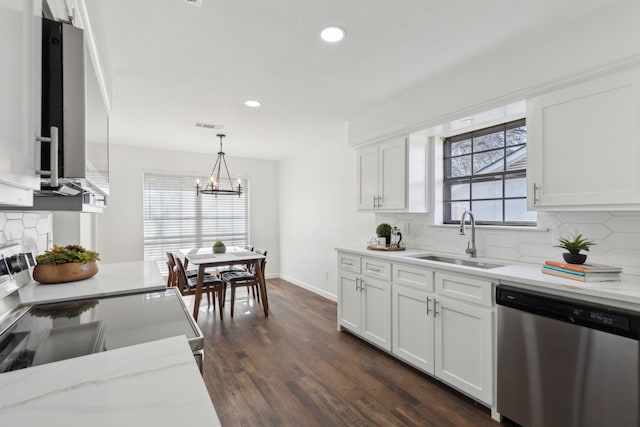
415 277
349 262
376 268
464 288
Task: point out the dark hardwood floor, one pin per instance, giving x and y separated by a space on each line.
295 369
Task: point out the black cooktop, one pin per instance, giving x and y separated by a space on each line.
52 332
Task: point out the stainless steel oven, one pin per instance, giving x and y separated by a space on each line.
44 333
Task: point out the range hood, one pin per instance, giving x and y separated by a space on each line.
74 159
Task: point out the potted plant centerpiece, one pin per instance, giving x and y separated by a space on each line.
65 264
573 245
384 230
219 247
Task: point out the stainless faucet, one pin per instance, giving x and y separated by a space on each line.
471 246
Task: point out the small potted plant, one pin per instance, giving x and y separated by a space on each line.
573 245
384 230
219 247
65 264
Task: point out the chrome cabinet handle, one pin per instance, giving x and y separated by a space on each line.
379 201
377 270
535 193
53 155
350 264
428 310
435 308
357 287
374 202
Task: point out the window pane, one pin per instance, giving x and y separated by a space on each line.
457 191
487 189
516 211
515 187
460 166
457 208
517 158
488 142
488 210
461 147
517 135
488 162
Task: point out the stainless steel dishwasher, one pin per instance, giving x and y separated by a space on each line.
564 362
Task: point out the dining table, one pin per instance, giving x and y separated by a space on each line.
205 258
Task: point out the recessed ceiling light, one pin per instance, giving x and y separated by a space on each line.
252 103
332 34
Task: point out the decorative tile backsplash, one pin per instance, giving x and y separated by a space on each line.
616 234
33 230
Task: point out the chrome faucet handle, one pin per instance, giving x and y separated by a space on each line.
471 251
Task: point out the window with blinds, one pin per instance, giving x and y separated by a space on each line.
175 217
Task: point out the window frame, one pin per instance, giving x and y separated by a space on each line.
474 178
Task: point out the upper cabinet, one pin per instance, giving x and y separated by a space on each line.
392 175
20 46
584 145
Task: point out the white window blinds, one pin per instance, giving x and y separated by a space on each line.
175 217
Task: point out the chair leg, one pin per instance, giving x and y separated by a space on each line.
233 298
209 300
219 293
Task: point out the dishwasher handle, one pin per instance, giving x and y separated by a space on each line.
595 316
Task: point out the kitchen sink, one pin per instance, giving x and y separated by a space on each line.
456 261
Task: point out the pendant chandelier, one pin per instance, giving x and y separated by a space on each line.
214 184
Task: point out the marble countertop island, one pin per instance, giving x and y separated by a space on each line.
112 279
154 384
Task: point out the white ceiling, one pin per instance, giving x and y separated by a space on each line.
175 64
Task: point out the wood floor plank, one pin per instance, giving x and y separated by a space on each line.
294 368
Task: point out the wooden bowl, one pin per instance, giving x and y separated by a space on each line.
62 273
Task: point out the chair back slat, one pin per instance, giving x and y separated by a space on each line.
182 280
171 266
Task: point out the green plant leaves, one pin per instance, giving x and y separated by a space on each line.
66 254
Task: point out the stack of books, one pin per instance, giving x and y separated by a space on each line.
583 272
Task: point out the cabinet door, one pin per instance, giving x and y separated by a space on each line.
392 174
368 178
412 312
376 312
583 144
349 302
20 45
463 347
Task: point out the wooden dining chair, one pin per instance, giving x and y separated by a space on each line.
248 279
212 286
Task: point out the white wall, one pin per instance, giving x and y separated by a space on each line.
507 74
119 230
318 213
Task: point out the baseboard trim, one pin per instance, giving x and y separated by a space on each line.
310 288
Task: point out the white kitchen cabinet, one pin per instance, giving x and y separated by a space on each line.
584 145
464 347
413 323
364 300
382 175
20 46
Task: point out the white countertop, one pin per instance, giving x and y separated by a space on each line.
154 384
111 279
623 294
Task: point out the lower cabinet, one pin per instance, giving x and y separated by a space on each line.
440 323
365 308
463 347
